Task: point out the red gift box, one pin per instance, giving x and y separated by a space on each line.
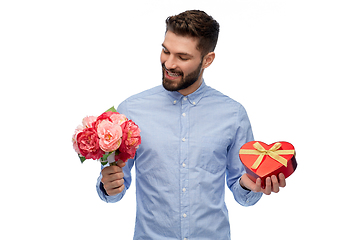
262 160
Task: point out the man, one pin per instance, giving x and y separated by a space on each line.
191 136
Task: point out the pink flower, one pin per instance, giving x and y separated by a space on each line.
88 121
110 135
75 144
130 142
118 118
104 116
88 144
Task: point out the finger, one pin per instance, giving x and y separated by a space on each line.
107 178
114 184
258 185
267 189
111 170
115 191
109 186
117 170
115 176
275 184
282 181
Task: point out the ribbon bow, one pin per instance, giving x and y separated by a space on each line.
273 152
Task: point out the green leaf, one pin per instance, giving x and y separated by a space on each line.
112 109
82 159
104 158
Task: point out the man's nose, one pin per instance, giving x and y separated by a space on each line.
170 63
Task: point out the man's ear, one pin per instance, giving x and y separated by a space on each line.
208 59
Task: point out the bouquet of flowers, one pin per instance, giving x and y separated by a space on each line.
111 133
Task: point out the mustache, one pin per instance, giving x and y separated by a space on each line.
171 71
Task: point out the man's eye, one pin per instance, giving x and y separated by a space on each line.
165 51
184 59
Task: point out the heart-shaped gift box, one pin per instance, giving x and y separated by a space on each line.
262 160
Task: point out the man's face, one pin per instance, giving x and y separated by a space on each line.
181 62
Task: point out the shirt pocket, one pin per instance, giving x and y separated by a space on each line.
213 155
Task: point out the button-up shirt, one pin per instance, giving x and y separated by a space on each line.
189 151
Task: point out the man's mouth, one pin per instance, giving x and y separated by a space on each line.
172 75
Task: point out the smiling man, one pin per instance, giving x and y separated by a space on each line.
191 136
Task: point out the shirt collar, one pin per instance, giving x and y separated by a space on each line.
194 98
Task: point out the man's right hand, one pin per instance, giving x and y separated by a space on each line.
113 178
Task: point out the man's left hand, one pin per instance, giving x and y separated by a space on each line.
272 184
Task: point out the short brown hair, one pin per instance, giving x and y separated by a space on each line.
196 23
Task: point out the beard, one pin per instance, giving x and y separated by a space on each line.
185 81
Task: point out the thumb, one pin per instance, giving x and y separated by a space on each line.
246 182
120 163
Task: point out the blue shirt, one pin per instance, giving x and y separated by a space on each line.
190 149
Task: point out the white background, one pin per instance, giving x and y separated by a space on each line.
294 65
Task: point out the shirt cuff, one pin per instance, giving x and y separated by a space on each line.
245 197
240 189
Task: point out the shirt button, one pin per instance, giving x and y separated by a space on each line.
184 215
185 238
194 103
183 165
184 139
174 102
184 189
185 98
184 114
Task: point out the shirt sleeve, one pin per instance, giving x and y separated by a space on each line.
235 169
126 170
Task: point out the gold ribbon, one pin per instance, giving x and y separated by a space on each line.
273 152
